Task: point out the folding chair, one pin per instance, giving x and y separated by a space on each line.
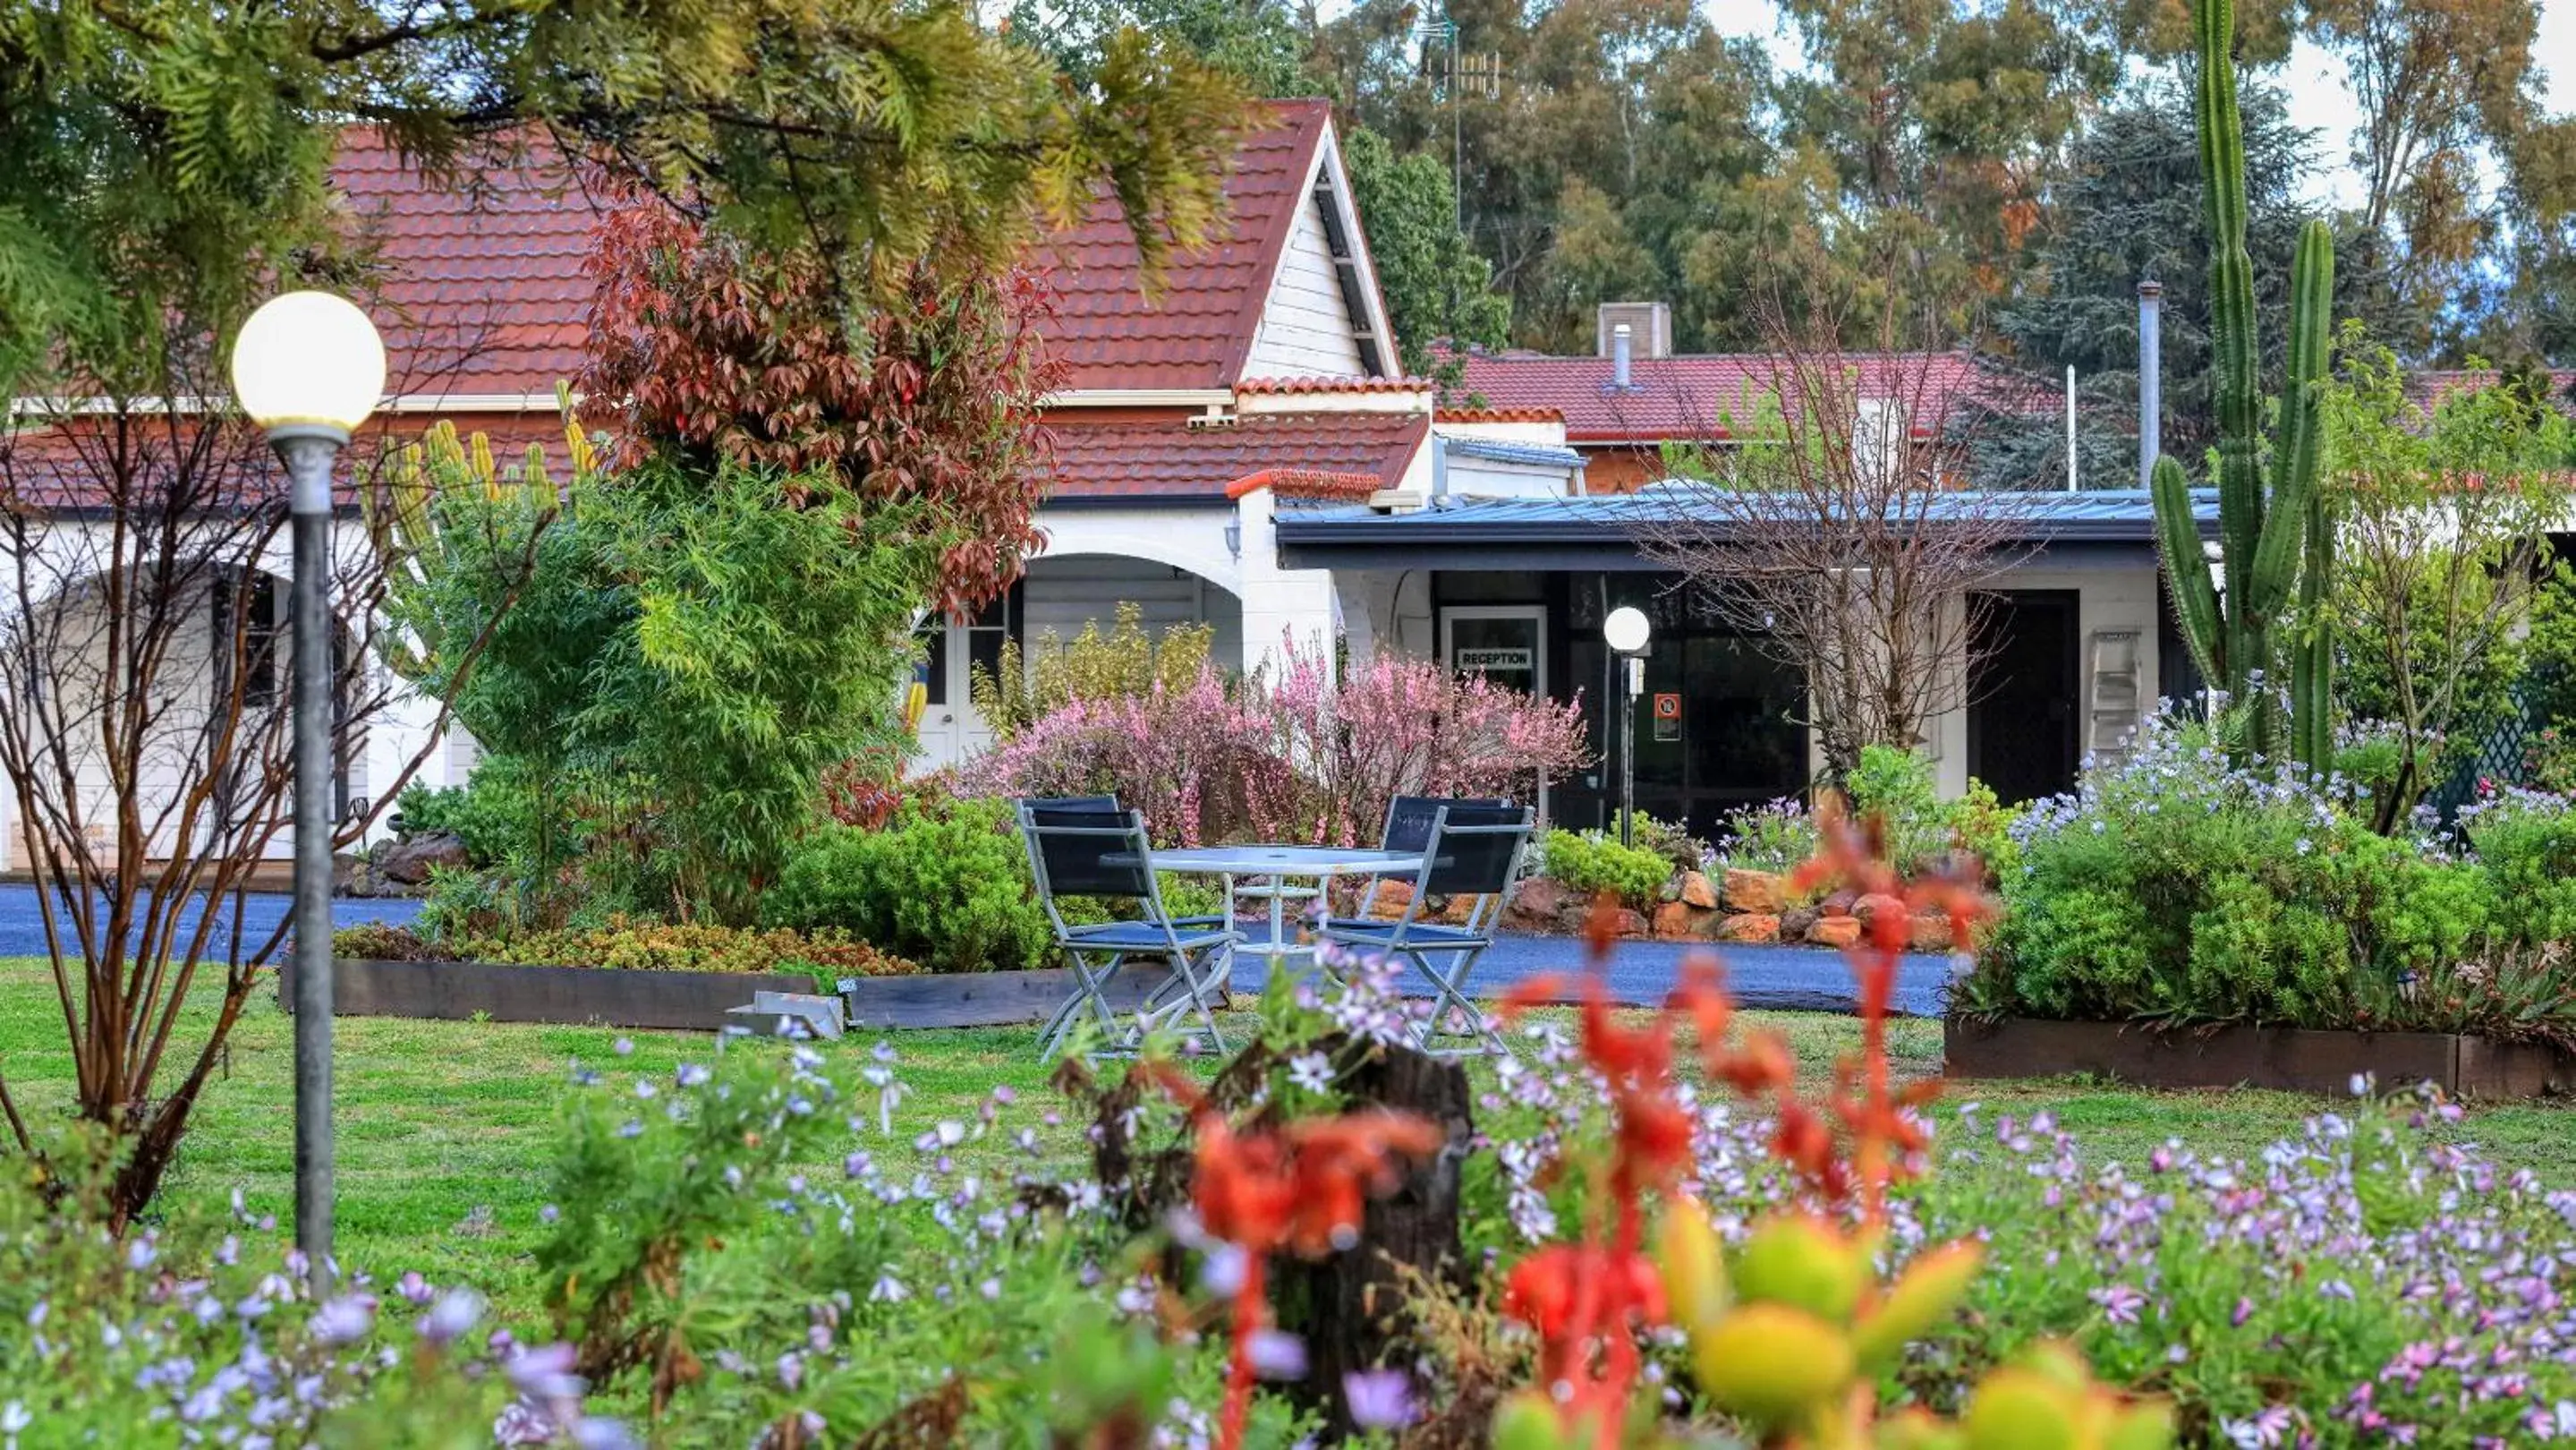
1409 819
1109 803
1473 851
1085 850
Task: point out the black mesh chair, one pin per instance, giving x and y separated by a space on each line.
1109 803
1471 850
1409 819
1086 849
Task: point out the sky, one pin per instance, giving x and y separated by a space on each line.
2319 98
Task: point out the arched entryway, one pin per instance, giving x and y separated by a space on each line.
1056 597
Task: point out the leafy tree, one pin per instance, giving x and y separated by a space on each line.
2445 513
1261 43
1436 286
2132 209
2440 85
166 165
1950 116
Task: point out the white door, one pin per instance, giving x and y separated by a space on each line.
951 730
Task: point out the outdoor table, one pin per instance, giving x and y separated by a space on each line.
1318 863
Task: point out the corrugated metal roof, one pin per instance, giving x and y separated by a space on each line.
2094 516
1497 450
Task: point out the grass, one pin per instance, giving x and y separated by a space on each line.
445 1127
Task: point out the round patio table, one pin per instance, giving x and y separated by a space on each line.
1300 863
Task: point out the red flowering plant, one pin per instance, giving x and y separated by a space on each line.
1789 1334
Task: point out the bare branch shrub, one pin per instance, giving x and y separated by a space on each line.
1826 520
145 731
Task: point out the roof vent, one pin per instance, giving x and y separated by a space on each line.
1649 324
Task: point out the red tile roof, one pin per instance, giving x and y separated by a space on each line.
2431 385
484 289
1314 483
1685 397
487 293
1198 330
1285 386
1167 458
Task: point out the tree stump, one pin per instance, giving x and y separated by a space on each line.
1350 1307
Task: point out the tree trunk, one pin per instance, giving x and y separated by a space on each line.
1349 1306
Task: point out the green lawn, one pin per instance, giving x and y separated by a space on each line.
444 1126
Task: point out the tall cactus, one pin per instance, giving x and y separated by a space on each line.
2273 529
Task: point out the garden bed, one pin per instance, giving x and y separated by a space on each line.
695 1001
2287 1058
497 992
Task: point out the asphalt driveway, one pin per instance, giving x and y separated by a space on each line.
1793 978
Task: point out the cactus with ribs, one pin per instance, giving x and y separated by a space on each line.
2275 537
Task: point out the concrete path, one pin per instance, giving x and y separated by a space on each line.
1787 978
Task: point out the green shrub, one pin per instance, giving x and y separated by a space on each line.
1672 841
1773 837
2527 842
494 813
2173 887
1591 862
949 888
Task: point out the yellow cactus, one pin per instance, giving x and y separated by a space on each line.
1928 1291
2048 1400
1694 1267
1775 1365
1803 1262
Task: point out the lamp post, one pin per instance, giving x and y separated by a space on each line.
1626 632
309 368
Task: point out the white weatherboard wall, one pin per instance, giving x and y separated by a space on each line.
1305 327
2122 598
1065 592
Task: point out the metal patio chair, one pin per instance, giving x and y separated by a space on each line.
1409 819
1086 850
1474 851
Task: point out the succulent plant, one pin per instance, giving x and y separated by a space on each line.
2275 537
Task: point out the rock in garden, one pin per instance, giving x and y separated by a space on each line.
1834 931
1676 921
1632 924
1838 904
1541 898
1931 933
410 859
1868 907
1698 891
1392 898
1749 927
1795 921
1754 891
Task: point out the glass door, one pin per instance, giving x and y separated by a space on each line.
1506 643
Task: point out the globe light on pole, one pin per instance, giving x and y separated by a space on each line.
1626 631
308 367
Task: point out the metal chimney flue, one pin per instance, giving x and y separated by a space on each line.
1622 350
2151 367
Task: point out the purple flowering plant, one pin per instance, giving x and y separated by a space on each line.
2172 885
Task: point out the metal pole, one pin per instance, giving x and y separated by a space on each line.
2070 427
2151 385
308 454
1630 668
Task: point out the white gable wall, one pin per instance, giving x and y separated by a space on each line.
1305 329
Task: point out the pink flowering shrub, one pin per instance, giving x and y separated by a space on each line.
1293 756
1192 759
1399 725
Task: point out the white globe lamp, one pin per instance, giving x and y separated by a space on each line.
308 367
